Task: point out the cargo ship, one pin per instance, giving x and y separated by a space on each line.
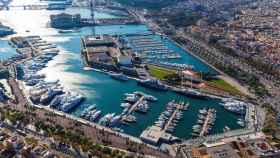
153 84
191 93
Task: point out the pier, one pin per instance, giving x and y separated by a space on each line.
132 108
170 120
149 47
156 133
205 126
178 107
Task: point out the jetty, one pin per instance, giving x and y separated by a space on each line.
206 120
127 117
205 126
160 132
133 107
170 119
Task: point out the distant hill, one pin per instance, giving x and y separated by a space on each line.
149 4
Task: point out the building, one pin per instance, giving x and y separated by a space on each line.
234 149
125 60
93 41
155 135
221 151
65 21
58 6
102 52
99 54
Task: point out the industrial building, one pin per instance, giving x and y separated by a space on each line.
65 21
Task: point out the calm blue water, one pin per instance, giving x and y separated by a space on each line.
101 89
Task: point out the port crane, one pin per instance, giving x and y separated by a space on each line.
92 14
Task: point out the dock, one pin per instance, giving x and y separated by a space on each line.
156 134
170 120
133 107
150 47
205 124
127 115
178 108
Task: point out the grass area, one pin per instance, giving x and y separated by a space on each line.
31 141
270 124
221 84
159 72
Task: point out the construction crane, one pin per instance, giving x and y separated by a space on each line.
92 14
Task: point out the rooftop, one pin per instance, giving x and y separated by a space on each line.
90 41
152 134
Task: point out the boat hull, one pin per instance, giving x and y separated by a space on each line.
146 85
203 97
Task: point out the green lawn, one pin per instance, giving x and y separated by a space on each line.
221 84
31 141
159 72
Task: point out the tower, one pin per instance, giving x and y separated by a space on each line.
92 14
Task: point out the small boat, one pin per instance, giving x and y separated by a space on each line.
118 129
200 121
120 77
226 129
151 98
129 118
143 108
105 121
95 116
68 31
125 105
196 127
71 101
241 123
201 117
88 109
115 120
194 134
132 99
203 111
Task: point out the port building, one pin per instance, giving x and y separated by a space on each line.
65 21
155 135
104 52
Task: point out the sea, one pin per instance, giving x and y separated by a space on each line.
99 88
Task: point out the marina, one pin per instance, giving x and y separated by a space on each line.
66 69
205 122
174 112
149 48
